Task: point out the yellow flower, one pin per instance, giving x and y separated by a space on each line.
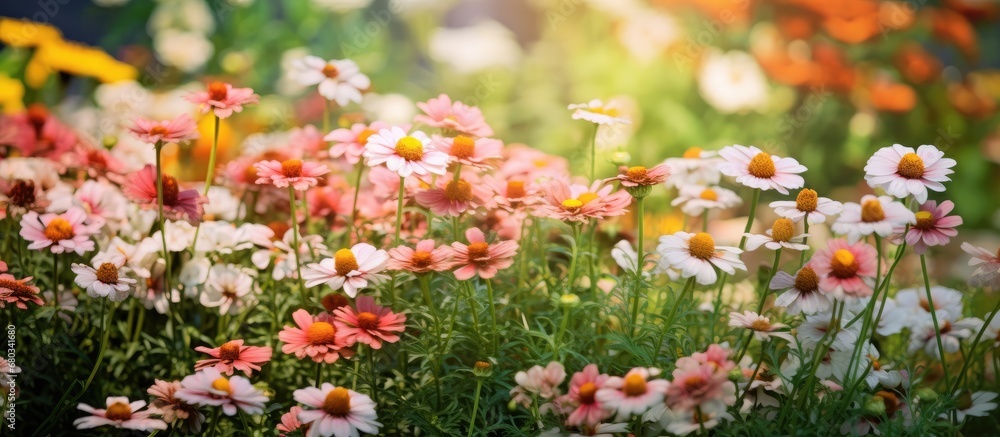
11 95
24 33
82 60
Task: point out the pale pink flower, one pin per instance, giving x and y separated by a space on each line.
234 355
696 383
580 203
807 205
61 233
874 215
337 411
350 143
802 294
290 422
351 269
633 394
457 116
756 169
107 278
172 409
295 172
696 199
452 198
988 272
473 152
17 291
512 194
315 337
761 326
901 171
404 153
582 396
481 258
369 323
697 255
845 270
177 203
339 80
640 176
223 99
424 258
541 381
599 112
934 227
182 128
120 413
208 387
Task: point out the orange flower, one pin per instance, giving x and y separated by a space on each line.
950 26
916 65
889 96
970 99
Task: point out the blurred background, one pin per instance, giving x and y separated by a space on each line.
827 82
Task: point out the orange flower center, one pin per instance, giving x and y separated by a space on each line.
694 382
875 364
458 191
217 91
337 402
701 245
587 392
158 130
410 148
222 384
925 220
692 153
572 205
170 190
333 301
118 411
760 325
709 194
463 147
291 168
107 273
635 385
59 229
17 288
782 230
321 333
421 259
515 189
364 135
279 229
587 197
636 174
911 166
330 71
807 280
229 351
843 264
367 321
479 251
762 166
872 211
806 200
345 262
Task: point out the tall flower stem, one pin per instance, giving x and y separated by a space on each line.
688 287
209 177
753 212
399 227
934 319
641 254
295 244
760 305
576 253
374 374
972 348
354 205
163 237
704 220
805 240
425 288
493 315
475 406
593 153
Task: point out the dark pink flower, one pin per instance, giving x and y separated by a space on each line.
481 258
234 355
141 188
223 99
934 226
17 291
369 323
424 258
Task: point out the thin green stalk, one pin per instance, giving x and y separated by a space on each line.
163 240
104 343
753 212
215 423
753 377
641 254
295 245
576 253
493 316
209 177
805 240
760 305
704 221
972 349
399 210
688 287
593 153
475 406
562 330
354 204
374 375
319 373
937 330
426 290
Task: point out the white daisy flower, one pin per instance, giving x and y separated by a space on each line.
336 411
912 303
812 330
339 80
695 199
208 387
807 205
626 257
988 272
404 153
632 394
874 215
978 404
697 255
694 167
755 169
952 332
351 269
229 287
107 278
599 112
901 171
761 326
780 236
801 292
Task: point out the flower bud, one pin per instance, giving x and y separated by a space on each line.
482 368
569 300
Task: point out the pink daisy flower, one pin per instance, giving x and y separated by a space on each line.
300 175
901 171
315 337
481 258
696 382
351 269
172 409
640 176
120 413
807 205
208 387
182 128
538 380
755 169
177 204
457 117
580 203
761 326
934 227
424 258
988 273
512 194
17 291
874 215
473 152
452 198
405 154
801 292
290 422
336 411
60 233
350 143
223 99
368 324
845 270
632 394
339 80
697 255
234 355
583 387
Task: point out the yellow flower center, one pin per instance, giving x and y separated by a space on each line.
463 147
291 168
321 333
217 91
330 71
610 111
572 205
458 191
479 251
344 262
107 273
587 392
367 321
964 400
222 384
701 245
364 135
337 402
762 166
911 166
709 194
587 197
925 220
807 280
636 174
760 325
635 385
843 264
782 230
59 229
421 259
118 411
807 200
871 211
410 148
229 351
692 153
515 189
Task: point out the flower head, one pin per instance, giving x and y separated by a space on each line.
780 236
290 422
697 255
481 258
599 112
223 99
368 323
336 411
351 269
208 387
234 355
473 152
634 393
229 287
453 116
299 174
582 397
405 153
756 169
107 278
314 337
339 80
424 258
694 167
120 413
761 326
580 203
846 270
807 205
171 409
60 233
695 199
350 143
17 291
988 272
177 203
874 215
453 197
934 227
901 171
802 293
182 128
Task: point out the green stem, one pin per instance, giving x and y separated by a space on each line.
576 252
760 305
937 331
493 316
704 221
374 375
688 287
972 349
641 254
426 290
319 373
163 240
399 211
209 178
215 422
295 245
805 240
475 406
593 153
104 343
354 204
753 212
562 330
